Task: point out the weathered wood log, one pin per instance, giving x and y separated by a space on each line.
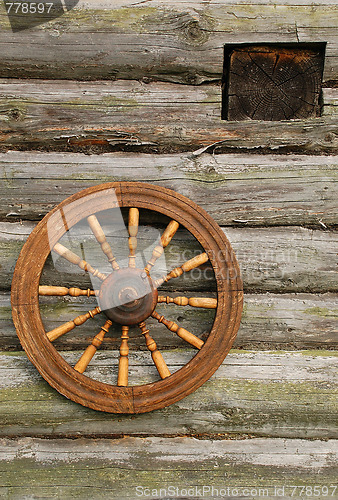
271 259
174 41
109 115
129 467
241 189
262 394
288 321
330 98
265 82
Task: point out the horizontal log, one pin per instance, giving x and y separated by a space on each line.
257 393
235 189
330 98
278 260
132 467
288 321
156 116
174 41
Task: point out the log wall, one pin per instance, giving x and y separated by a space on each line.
132 91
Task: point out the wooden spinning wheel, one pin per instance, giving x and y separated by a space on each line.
127 295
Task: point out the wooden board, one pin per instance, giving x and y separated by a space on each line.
269 321
330 97
133 467
257 393
278 260
235 189
174 41
154 117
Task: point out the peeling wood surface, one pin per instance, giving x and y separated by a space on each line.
269 321
106 469
257 393
157 116
235 189
174 41
271 259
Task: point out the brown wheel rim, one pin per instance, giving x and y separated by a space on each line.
116 398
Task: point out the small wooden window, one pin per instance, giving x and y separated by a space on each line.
272 82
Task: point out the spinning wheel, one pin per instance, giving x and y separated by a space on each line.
127 295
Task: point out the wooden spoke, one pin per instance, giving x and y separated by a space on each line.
160 364
75 259
187 266
70 325
181 332
122 378
165 240
133 229
87 356
97 230
62 290
207 303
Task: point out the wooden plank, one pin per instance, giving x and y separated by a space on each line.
279 394
269 321
235 189
330 97
154 116
174 41
278 260
156 467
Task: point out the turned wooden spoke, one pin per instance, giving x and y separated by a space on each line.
133 229
70 325
181 332
187 266
62 290
88 355
97 230
160 364
122 378
207 303
75 259
164 241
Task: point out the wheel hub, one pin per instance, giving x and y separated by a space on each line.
128 296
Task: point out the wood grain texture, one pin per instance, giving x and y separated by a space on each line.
269 321
235 189
275 259
256 393
112 469
272 83
174 41
78 116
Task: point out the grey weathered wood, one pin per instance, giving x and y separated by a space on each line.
156 116
269 321
113 469
235 189
257 393
174 41
330 97
271 259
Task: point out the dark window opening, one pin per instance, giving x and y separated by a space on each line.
272 81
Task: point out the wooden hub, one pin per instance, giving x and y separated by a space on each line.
128 296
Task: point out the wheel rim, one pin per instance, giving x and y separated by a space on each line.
52 366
